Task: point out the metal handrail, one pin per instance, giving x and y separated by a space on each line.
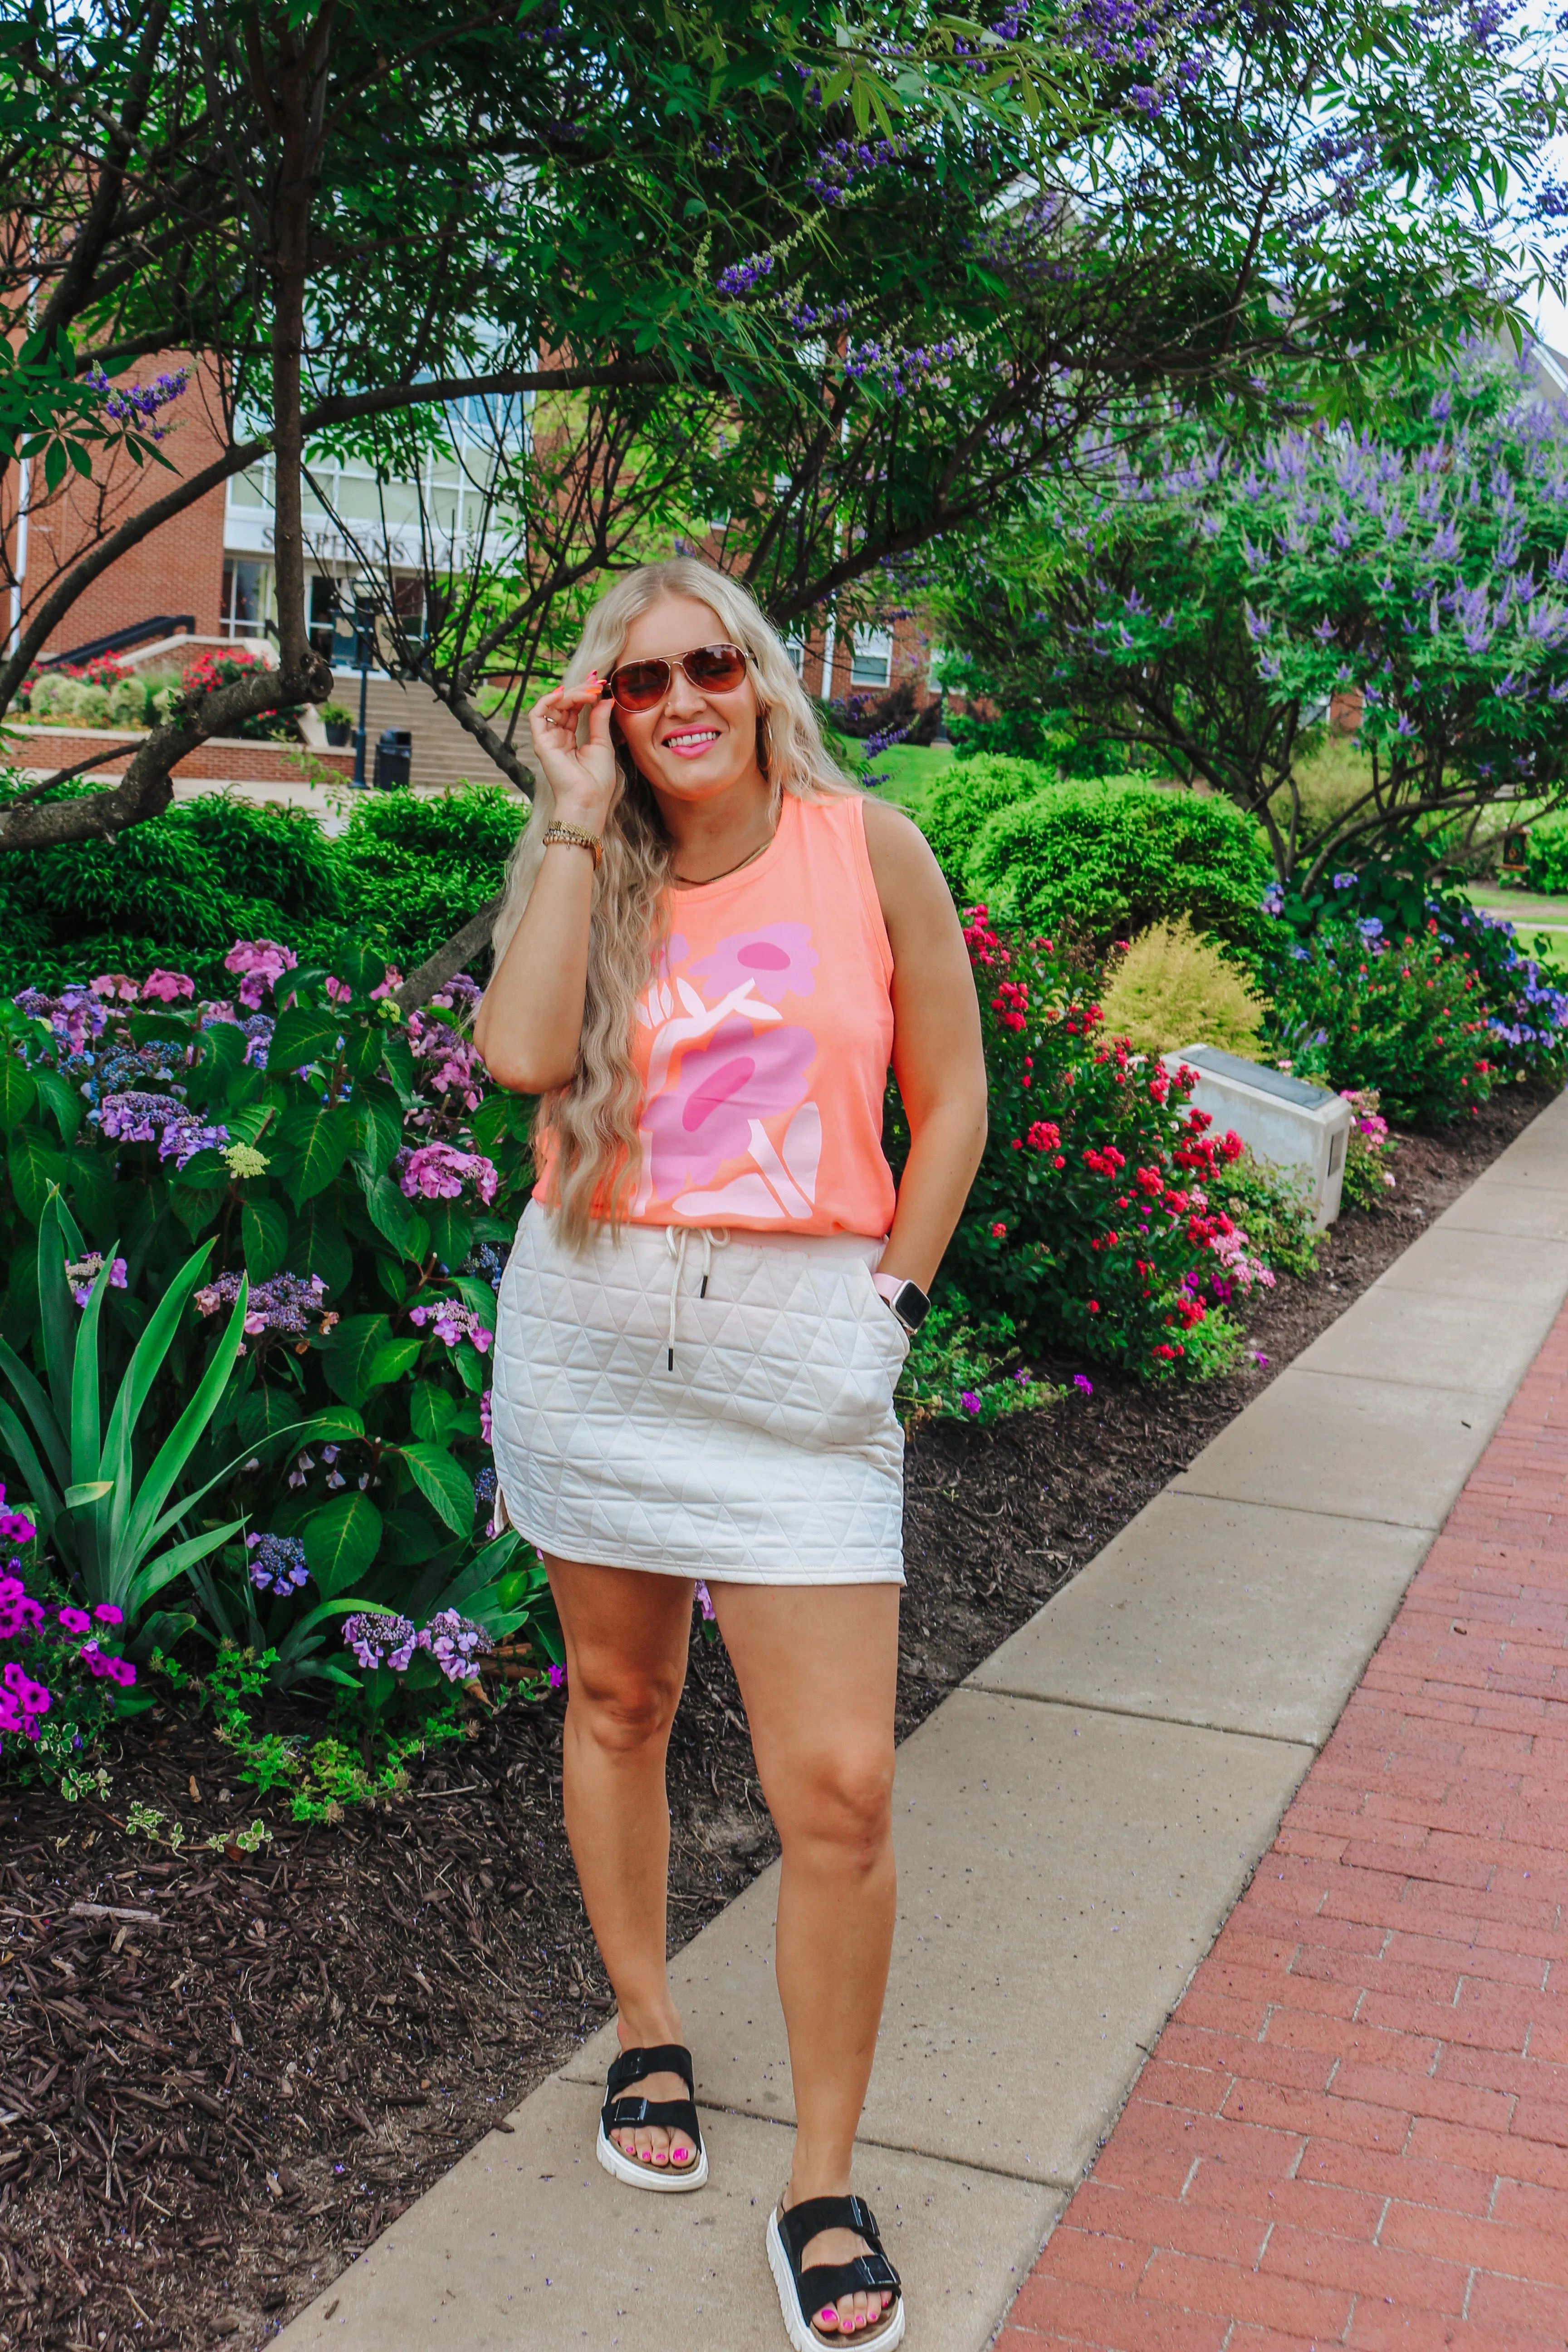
161 624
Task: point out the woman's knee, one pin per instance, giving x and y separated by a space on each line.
623 1708
842 1803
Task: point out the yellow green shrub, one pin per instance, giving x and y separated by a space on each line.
1173 989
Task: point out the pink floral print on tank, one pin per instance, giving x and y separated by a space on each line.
706 1115
780 958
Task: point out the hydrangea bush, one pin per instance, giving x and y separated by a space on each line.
355 1168
1096 1219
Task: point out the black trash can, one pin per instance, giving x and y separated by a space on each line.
394 758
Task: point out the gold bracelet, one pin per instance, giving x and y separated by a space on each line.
572 837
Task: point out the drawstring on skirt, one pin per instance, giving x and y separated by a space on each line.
675 1238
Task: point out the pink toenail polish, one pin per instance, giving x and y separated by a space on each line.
827 2318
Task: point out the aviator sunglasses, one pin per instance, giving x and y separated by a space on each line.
711 669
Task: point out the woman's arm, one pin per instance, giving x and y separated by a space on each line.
530 1024
938 1058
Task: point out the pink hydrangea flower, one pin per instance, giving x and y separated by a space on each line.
263 963
452 1322
438 1172
485 1416
114 987
161 987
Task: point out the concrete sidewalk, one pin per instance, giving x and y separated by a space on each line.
1074 1826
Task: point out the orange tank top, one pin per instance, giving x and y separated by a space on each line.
763 1043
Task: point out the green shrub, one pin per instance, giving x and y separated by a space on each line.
1368 1147
1172 988
415 867
1113 858
1546 854
1406 1016
406 873
964 794
176 890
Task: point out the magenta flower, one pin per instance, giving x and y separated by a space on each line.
705 1117
485 1416
163 987
969 1401
557 1677
107 1614
75 1621
437 1172
1084 1385
780 959
121 1671
263 963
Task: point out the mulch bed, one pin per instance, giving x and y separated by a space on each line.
223 2073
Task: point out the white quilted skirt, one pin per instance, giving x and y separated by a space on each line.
701 1404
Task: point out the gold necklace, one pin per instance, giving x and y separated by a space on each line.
687 883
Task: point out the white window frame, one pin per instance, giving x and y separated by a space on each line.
871 658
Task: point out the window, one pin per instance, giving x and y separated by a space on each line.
247 597
871 658
794 654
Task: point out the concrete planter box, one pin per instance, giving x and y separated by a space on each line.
1284 1120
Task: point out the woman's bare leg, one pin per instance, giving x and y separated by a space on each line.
818 1667
627 1634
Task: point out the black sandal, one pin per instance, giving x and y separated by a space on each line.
803 2294
618 2113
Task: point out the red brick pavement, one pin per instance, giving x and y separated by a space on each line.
1354 2128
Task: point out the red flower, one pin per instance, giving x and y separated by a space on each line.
998 1233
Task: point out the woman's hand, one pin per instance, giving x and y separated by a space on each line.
581 776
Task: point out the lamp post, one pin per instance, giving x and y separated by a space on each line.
363 639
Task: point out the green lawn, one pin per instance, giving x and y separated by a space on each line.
909 768
1532 915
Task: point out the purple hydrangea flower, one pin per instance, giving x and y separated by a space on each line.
380 1638
277 1564
456 1644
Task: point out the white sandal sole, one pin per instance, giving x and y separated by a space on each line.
647 2176
891 2330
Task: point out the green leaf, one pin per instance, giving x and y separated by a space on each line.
263 1414
91 1490
334 1422
446 1486
450 1232
195 1205
317 1245
398 1056
381 1134
315 1140
264 1237
341 1539
361 1049
350 1351
363 969
19 1092
431 1411
393 1362
65 1105
303 1035
37 1167
223 1048
392 1215
174 1562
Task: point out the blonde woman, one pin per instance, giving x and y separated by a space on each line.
709 950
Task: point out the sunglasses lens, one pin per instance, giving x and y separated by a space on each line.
637 686
720 667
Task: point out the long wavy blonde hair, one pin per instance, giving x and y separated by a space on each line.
591 1123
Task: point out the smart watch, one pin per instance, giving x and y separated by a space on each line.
907 1299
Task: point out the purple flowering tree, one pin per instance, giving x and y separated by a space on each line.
1208 607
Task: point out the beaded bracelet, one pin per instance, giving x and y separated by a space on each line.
572 837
